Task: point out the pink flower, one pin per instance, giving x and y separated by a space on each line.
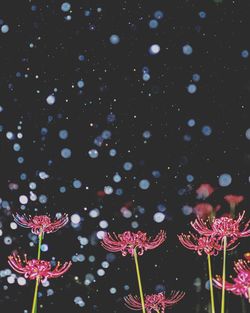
204 191
209 245
204 210
241 283
128 241
33 269
222 227
233 200
41 223
155 302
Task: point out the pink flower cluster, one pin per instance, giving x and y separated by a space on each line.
155 302
128 241
41 223
36 268
211 234
241 283
33 269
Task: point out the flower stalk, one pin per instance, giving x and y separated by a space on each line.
34 304
211 283
224 275
139 281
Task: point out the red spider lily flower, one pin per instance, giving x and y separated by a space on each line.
155 302
41 223
204 210
241 283
33 269
204 191
233 200
128 241
223 227
209 245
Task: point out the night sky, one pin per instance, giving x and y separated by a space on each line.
115 112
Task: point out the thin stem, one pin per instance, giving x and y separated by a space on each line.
139 281
34 304
40 237
232 210
211 283
224 275
248 294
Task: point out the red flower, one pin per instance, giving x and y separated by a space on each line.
41 223
155 302
222 227
209 245
33 269
241 283
204 191
204 210
128 241
233 200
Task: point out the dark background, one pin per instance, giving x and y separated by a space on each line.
39 53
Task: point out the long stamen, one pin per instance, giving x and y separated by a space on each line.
139 281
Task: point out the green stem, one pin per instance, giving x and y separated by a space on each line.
232 210
139 281
211 283
34 304
39 246
224 275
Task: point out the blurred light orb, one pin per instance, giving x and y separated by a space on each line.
23 199
153 24
21 281
5 28
154 49
159 217
51 99
191 88
127 166
63 134
75 218
187 49
114 39
206 130
191 122
187 210
77 184
65 7
108 190
93 153
158 14
144 184
247 133
225 180
245 54
66 153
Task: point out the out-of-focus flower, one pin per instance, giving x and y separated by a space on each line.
155 302
241 283
41 223
207 244
128 241
223 227
33 269
204 210
204 191
233 200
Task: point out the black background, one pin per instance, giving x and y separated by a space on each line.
162 105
